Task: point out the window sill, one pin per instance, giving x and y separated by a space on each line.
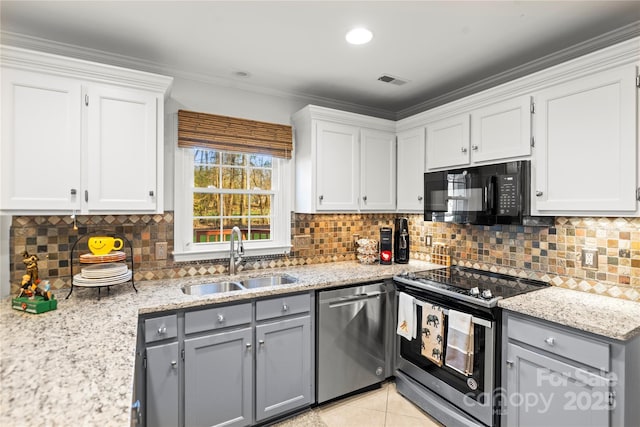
221 254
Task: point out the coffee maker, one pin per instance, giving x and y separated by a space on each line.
386 245
401 241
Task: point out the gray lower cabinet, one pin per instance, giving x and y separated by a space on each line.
218 379
283 366
162 384
554 375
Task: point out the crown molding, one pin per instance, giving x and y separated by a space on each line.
619 35
94 55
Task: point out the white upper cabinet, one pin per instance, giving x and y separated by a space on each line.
41 140
377 170
501 130
337 162
411 167
489 134
77 135
121 148
448 142
344 162
586 154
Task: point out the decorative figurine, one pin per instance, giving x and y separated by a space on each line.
35 296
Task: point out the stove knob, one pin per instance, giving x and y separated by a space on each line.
487 294
474 291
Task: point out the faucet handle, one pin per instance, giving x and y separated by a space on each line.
241 249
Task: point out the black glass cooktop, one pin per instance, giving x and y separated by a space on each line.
484 286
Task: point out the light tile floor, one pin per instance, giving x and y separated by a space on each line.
383 407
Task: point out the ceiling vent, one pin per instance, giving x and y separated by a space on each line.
386 78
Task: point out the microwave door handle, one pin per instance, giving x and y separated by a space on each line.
490 197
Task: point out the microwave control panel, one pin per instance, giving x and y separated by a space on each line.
508 200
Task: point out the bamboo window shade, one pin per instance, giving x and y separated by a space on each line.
233 134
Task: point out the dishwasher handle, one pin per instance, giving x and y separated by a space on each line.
342 301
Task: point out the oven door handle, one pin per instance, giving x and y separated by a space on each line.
340 302
475 320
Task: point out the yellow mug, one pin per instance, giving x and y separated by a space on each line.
102 245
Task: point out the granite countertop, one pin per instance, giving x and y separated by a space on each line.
75 365
609 317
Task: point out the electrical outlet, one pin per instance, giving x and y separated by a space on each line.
589 258
302 241
161 250
428 240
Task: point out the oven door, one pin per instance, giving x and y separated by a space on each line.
472 393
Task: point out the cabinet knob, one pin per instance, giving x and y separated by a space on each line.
162 330
174 364
73 191
419 198
550 341
474 147
261 342
509 363
321 198
364 199
220 318
151 193
248 345
463 149
285 307
539 193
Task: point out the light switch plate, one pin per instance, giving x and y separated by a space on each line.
589 258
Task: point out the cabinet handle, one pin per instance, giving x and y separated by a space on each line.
86 195
474 147
162 330
550 341
151 193
174 364
285 307
86 100
419 198
463 149
510 363
539 193
220 318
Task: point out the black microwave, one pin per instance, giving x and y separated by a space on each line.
483 195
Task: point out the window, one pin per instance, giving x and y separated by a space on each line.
222 189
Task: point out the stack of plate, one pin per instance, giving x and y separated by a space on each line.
113 256
103 275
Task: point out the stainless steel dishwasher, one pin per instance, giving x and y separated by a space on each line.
352 339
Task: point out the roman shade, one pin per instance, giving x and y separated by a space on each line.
233 134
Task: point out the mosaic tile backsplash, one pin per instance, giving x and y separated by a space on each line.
552 254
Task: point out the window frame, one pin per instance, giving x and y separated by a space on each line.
186 250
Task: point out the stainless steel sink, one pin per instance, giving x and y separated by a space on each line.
260 282
212 288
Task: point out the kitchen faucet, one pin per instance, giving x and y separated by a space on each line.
235 256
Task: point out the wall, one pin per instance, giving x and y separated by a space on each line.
549 254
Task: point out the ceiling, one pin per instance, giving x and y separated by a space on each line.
297 48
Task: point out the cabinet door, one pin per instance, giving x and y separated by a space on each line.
218 379
283 366
501 130
448 142
162 385
122 149
338 166
378 170
543 391
411 167
41 137
585 151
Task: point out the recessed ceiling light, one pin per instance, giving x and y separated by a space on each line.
242 74
359 36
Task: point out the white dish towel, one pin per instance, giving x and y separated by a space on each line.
459 352
406 317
